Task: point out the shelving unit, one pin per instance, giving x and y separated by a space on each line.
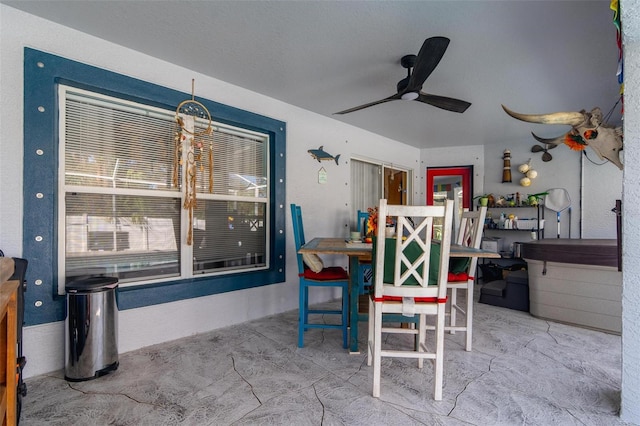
510 236
539 209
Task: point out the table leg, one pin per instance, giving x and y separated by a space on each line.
354 292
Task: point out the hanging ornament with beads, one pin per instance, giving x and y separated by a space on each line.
191 152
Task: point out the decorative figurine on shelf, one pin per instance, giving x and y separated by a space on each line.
506 169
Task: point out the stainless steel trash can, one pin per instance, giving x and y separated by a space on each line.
91 337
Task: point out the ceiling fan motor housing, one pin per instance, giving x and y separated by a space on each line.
408 61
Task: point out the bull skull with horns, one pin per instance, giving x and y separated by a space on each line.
587 130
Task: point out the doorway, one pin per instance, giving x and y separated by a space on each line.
395 186
371 181
451 183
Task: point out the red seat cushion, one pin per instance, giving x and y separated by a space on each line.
461 276
417 299
331 273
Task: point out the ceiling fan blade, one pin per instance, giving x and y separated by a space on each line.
449 104
546 157
429 57
381 101
537 148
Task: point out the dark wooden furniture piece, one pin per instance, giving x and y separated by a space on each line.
8 341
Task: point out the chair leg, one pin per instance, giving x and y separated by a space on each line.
302 314
452 311
370 334
439 361
377 348
469 315
422 337
345 316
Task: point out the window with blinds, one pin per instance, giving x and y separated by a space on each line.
121 213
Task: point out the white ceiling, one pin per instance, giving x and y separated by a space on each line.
327 56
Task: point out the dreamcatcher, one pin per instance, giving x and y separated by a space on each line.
191 151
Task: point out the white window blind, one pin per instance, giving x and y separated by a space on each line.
366 186
122 215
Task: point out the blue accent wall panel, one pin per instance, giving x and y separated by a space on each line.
42 74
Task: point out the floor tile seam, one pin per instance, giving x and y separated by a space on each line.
395 406
583 372
557 403
591 409
471 381
280 395
516 389
400 408
616 413
233 364
363 363
413 416
123 394
277 344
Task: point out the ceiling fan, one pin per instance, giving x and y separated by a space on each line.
409 88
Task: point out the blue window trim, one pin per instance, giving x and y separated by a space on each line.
42 74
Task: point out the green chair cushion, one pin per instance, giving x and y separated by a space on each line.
458 265
413 251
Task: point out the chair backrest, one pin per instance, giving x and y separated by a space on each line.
470 233
471 227
298 232
416 260
361 221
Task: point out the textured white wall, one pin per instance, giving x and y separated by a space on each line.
44 344
630 406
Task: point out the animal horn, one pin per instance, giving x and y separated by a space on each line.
553 141
571 118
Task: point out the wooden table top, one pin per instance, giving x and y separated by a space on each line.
324 245
335 246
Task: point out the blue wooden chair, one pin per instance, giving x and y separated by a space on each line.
366 272
332 276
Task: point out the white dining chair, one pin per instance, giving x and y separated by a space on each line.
410 278
469 235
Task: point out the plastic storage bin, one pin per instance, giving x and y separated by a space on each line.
91 325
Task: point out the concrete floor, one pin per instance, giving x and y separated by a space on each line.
522 370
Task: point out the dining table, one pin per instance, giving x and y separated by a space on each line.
360 252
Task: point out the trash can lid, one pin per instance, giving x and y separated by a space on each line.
92 284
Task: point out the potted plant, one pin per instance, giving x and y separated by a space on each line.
534 199
483 200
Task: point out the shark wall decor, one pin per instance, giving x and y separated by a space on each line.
321 155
